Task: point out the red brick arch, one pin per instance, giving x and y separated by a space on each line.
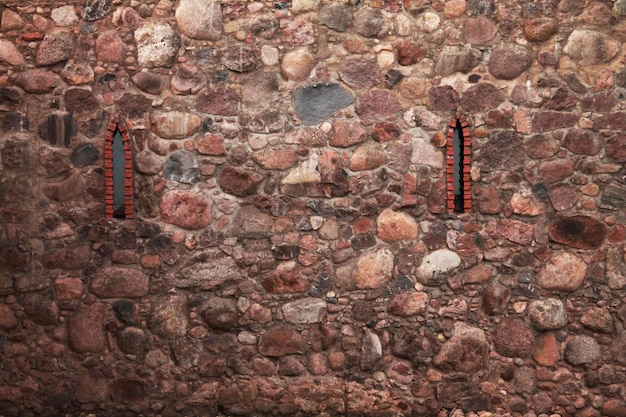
118 124
466 138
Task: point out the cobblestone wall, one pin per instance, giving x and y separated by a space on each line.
291 249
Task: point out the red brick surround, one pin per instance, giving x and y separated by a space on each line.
118 124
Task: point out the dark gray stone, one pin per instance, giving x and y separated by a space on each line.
337 16
59 129
182 166
85 154
96 9
317 102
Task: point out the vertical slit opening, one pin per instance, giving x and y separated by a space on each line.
458 168
119 198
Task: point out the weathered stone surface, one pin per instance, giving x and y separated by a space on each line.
64 16
376 104
396 226
540 146
218 101
409 52
305 310
11 21
582 142
540 29
408 304
66 189
95 9
360 74
8 320
504 151
437 263
186 209
187 80
317 102
556 170
219 313
598 319
336 16
157 44
286 278
496 298
481 97
615 269
175 124
371 23
548 314
212 272
563 197
613 407
36 80
347 133
443 98
457 59
239 181
110 47
240 58
615 148
509 61
9 53
582 350
513 339
150 82
279 158
367 157
182 166
373 269
589 47
115 282
582 232
610 121
168 317
280 341
466 351
57 46
200 19
85 329
41 309
562 272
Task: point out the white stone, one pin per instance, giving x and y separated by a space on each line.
385 58
404 25
305 173
435 263
200 19
428 21
297 65
64 16
303 6
157 44
269 55
9 53
424 153
246 338
306 310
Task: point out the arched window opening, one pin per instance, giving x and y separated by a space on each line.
458 157
118 171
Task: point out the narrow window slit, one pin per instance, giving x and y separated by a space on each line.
458 160
118 171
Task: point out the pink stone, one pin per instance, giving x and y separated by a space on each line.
482 97
187 80
563 197
367 157
563 272
116 282
408 304
546 351
86 330
239 181
478 274
67 289
280 341
373 269
513 230
376 104
347 133
556 170
186 209
480 31
110 47
360 74
489 201
279 158
211 145
396 226
540 29
513 338
36 80
496 298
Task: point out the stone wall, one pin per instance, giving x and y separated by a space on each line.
290 250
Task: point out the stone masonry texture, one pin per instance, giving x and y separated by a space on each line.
286 247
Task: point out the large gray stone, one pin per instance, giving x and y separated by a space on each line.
182 166
317 102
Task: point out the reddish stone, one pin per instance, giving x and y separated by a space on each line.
496 298
396 226
187 80
562 99
540 29
489 201
466 351
599 103
409 52
367 157
168 317
280 158
409 191
67 289
211 145
79 101
562 272
556 170
376 104
115 282
513 338
436 198
307 136
286 278
127 390
150 82
218 101
598 14
477 274
513 230
480 31
347 133
360 74
280 341
297 31
614 408
239 181
186 209
408 304
91 389
240 59
582 142
7 317
481 97
110 47
563 197
546 121
504 151
373 269
36 81
580 232
582 350
615 149
85 329
443 98
546 350
598 319
57 46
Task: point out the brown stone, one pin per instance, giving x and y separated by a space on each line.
307 136
297 65
11 21
240 58
79 101
582 142
477 274
481 97
65 189
279 158
86 331
168 317
36 80
218 101
367 157
489 201
466 351
480 31
187 80
150 82
513 230
371 23
556 170
110 47
360 74
396 226
615 148
373 269
562 99
582 232
614 121
598 319
496 298
546 121
504 151
409 52
563 197
186 209
280 341
239 181
562 272
175 124
8 320
57 46
211 145
408 304
614 408
546 351
513 338
590 47
540 29
115 282
582 350
286 278
509 61
599 103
